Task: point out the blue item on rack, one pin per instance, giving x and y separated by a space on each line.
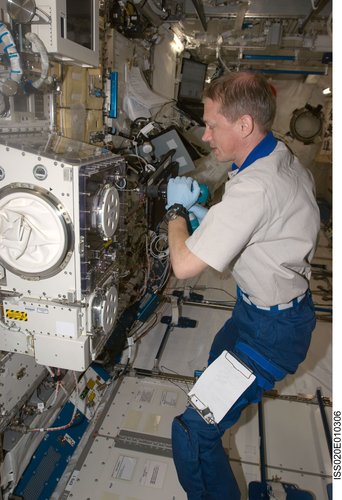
113 109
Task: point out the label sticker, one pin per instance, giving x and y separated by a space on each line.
69 440
153 474
42 310
168 398
16 315
145 396
72 480
124 468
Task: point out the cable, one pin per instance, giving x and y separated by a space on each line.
137 156
159 252
147 328
148 270
24 429
57 389
213 288
161 109
199 287
123 181
122 372
172 380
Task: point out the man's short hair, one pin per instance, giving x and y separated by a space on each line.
244 93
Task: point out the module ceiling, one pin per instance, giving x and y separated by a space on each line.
293 34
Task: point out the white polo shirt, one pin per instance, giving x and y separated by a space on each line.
265 229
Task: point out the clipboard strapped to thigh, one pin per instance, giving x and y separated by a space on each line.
219 387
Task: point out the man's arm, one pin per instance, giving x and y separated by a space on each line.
184 263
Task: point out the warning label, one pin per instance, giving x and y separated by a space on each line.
16 315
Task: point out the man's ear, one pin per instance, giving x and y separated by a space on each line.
246 125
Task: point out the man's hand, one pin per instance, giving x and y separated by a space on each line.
199 212
182 190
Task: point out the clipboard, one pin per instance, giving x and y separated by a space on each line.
219 387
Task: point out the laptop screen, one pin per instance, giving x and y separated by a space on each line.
192 81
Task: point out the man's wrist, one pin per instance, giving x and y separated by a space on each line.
177 210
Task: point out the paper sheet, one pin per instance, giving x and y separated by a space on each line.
221 384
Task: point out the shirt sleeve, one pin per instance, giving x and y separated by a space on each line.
231 224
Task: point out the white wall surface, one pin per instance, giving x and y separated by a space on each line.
164 68
293 95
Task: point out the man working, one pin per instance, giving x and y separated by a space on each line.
265 231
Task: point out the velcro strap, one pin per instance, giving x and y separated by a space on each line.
276 371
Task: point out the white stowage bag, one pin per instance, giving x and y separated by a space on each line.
32 237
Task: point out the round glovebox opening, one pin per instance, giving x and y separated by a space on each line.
36 237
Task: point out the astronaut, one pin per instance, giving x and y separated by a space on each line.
265 230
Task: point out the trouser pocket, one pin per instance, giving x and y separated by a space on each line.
185 450
184 442
201 462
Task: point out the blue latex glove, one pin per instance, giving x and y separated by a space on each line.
182 190
199 212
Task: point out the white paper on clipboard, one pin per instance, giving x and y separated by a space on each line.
220 385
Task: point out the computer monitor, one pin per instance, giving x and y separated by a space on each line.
190 90
192 82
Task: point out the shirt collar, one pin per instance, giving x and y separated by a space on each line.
264 148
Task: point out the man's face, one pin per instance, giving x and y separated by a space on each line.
223 136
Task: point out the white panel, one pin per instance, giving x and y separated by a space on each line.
242 441
42 317
62 353
16 341
18 375
187 349
145 405
296 449
110 473
295 437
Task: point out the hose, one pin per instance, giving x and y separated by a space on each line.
39 47
8 47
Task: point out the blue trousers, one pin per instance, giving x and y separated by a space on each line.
283 337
